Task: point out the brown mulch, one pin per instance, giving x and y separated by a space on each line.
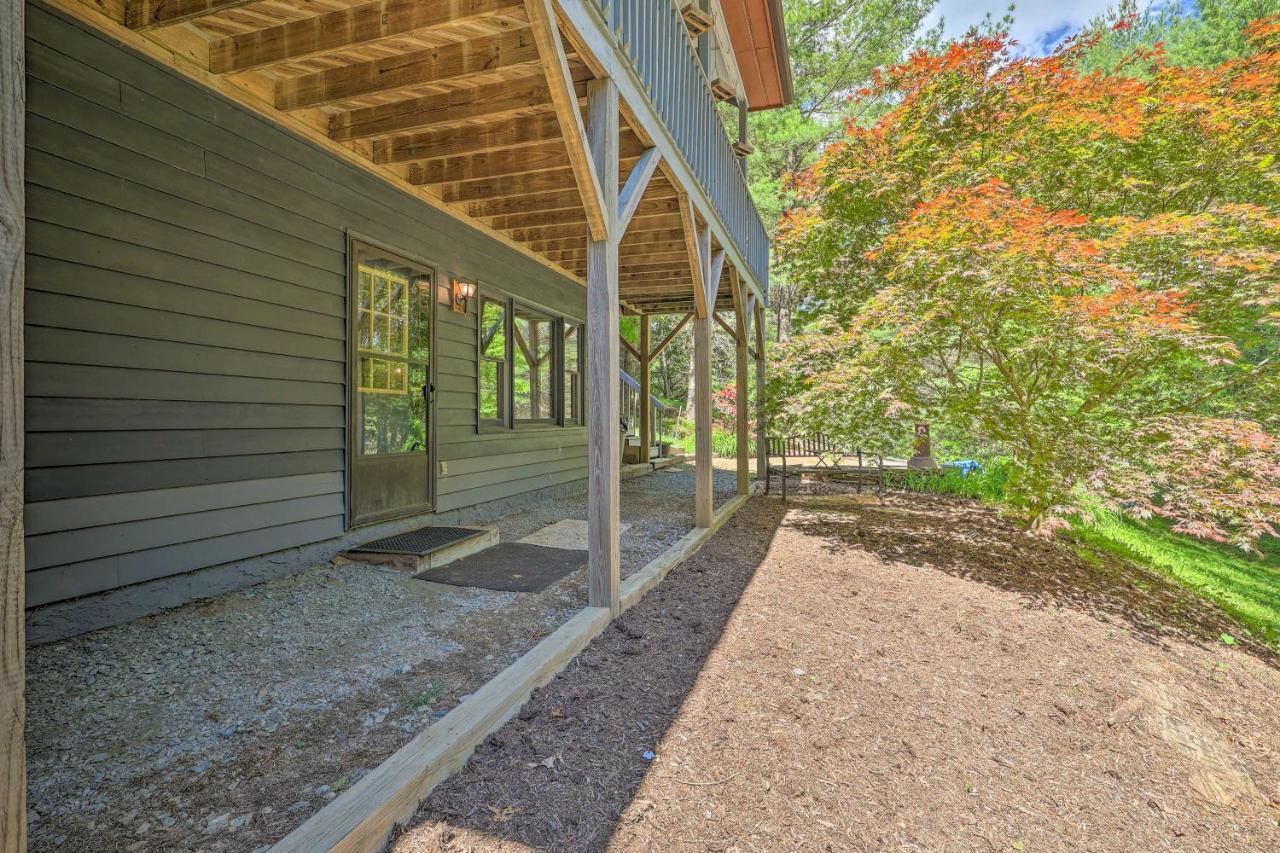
842 675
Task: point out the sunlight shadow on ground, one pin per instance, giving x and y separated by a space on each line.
969 540
559 775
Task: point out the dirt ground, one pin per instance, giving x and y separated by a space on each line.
222 725
917 675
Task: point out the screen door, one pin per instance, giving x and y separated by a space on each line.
391 392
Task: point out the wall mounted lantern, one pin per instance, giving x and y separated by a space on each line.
462 291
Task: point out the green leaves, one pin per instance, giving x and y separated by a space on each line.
1054 261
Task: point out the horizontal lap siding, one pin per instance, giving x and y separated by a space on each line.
186 316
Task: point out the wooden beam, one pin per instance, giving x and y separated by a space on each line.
720 321
653 215
490 101
569 200
637 183
628 260
546 33
538 157
604 449
646 390
344 29
740 317
573 236
13 228
656 292
626 344
453 62
703 504
694 247
762 435
531 183
713 277
146 14
741 393
365 814
498 138
671 336
537 227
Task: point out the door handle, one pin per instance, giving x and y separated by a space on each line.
427 391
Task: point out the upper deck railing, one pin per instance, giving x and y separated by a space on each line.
652 35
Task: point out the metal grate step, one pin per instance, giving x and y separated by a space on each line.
418 542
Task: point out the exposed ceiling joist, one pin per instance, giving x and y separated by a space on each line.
451 63
344 29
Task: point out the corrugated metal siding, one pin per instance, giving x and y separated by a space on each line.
186 320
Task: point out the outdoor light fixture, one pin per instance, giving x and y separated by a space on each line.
462 291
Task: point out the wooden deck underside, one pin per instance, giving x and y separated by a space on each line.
453 99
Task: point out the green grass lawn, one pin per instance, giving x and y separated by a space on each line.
1246 586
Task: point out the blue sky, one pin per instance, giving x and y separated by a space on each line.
1038 24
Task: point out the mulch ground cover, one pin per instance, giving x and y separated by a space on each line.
841 674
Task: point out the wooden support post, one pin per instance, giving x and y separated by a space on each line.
762 432
702 473
743 306
743 395
604 442
646 404
13 224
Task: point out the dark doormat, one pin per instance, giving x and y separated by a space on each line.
422 541
510 567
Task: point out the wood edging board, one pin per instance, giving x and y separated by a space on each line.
640 469
635 585
362 818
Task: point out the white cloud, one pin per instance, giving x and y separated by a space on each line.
1038 24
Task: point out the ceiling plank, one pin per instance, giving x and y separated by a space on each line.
446 63
653 214
146 14
482 102
344 29
571 200
507 185
500 136
532 158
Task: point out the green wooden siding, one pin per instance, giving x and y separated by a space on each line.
186 317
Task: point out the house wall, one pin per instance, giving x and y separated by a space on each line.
186 317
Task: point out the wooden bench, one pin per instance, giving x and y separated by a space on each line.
830 457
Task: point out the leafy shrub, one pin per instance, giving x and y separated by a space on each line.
986 484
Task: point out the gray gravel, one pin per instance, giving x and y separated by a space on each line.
224 724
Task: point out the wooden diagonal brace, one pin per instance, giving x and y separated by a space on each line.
546 33
689 225
724 325
713 274
671 336
633 191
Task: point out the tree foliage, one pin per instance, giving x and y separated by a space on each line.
1058 259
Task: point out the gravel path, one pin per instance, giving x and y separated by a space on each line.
224 724
843 675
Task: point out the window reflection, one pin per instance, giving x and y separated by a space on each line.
533 384
393 342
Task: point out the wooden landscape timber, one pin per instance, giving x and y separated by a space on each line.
363 816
